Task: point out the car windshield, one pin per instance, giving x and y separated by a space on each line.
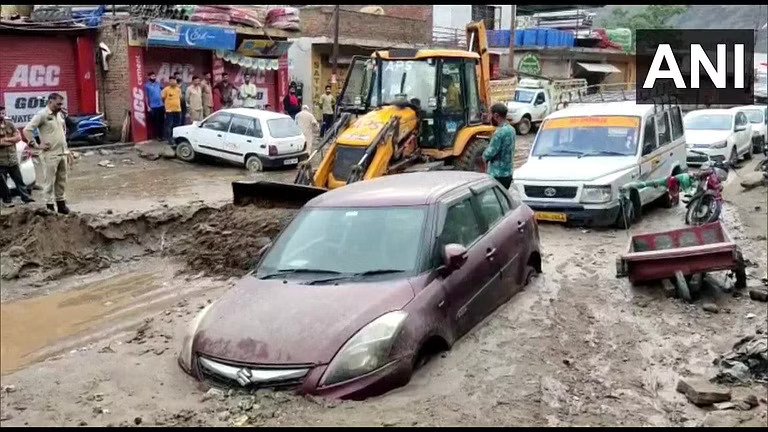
755 116
525 96
406 80
709 122
588 136
283 128
348 241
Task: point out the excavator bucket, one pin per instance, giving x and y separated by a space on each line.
269 194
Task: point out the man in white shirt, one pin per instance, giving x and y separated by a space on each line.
248 93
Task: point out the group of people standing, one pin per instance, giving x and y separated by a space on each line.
55 157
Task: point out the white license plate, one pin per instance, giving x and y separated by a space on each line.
293 161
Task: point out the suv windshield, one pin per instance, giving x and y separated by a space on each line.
283 128
709 122
525 96
406 80
348 241
588 136
755 116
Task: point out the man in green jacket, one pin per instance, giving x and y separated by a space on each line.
500 154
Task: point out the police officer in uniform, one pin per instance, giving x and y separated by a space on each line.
49 122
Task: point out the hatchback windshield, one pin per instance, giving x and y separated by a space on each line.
525 96
283 128
349 241
588 136
755 116
709 122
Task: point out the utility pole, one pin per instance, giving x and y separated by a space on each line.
334 76
512 27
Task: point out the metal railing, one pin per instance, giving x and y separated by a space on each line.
449 37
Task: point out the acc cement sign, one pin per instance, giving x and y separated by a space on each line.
695 66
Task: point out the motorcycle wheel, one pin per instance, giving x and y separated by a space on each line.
703 210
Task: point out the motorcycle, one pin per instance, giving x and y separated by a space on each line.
706 203
86 128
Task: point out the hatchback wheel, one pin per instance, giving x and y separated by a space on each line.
185 152
253 164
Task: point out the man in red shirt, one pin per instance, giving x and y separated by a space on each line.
291 102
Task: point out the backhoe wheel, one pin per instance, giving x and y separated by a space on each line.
472 157
524 127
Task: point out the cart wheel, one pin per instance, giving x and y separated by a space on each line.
694 285
682 286
740 271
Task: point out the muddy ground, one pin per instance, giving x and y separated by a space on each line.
577 347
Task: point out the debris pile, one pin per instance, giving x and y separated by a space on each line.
747 362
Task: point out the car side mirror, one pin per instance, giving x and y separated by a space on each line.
196 123
454 257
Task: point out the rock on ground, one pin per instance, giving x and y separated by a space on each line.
702 393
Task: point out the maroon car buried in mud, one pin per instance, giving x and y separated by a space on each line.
365 283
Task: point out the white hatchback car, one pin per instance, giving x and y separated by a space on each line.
254 138
26 165
722 134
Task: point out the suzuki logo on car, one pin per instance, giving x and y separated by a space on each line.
550 192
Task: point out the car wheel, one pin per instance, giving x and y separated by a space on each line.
185 152
253 164
524 127
627 213
530 274
734 158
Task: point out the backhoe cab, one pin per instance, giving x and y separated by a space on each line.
400 110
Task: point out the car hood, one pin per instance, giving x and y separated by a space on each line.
693 137
272 322
181 130
571 168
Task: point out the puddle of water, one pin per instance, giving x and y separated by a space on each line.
28 326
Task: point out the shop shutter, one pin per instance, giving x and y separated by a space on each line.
33 67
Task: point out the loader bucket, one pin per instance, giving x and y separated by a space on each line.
269 194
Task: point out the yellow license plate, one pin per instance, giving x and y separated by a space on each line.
551 217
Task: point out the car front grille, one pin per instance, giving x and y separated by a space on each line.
696 159
228 374
547 191
346 157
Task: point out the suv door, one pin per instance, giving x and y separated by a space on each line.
480 274
508 230
210 136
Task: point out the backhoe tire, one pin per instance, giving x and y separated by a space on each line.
524 127
472 157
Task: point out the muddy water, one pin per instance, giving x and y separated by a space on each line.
28 326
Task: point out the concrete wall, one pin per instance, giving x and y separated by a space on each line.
319 22
114 84
300 65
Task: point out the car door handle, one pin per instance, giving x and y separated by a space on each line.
218 135
248 141
490 253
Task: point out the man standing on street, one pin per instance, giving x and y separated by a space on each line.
153 89
207 86
225 91
500 152
9 161
172 99
51 128
327 104
291 102
194 99
248 93
308 125
183 86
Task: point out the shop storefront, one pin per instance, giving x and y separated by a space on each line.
34 65
167 47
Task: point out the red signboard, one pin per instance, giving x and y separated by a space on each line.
138 97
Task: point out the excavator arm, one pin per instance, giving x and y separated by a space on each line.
477 41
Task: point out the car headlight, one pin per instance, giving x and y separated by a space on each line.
596 194
721 144
185 356
367 350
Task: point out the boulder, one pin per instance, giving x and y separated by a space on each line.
702 393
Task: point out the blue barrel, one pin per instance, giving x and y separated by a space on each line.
518 37
553 38
529 37
541 37
570 40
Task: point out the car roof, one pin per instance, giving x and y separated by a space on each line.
728 111
751 107
410 189
253 112
625 108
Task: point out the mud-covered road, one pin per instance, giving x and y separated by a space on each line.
97 344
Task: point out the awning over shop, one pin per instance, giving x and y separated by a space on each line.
599 67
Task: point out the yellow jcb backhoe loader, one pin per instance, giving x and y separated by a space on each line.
400 110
